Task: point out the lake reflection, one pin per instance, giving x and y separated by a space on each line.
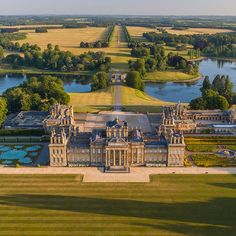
80 85
185 92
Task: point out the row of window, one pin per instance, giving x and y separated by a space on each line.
58 160
57 151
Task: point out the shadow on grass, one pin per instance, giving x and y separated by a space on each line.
213 217
118 54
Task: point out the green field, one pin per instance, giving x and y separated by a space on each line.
169 75
94 101
136 101
57 205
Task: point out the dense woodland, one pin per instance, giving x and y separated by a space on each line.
54 59
216 95
153 57
217 45
36 94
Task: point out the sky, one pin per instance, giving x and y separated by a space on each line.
119 7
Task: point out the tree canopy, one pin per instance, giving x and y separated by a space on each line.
100 81
3 110
36 94
216 95
134 80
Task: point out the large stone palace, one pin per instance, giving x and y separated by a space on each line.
118 146
112 147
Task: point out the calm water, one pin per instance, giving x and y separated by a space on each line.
172 92
185 92
70 86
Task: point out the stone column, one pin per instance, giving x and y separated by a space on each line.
109 156
114 157
106 158
120 157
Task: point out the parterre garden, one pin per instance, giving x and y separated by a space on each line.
203 150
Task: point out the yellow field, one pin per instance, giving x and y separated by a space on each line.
94 101
29 26
136 33
196 31
67 39
137 101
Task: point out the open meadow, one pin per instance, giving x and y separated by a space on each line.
67 39
170 205
70 39
193 31
29 26
136 32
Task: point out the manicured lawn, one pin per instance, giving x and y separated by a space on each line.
94 101
164 76
137 101
57 205
209 144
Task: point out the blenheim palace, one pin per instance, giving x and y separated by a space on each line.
119 146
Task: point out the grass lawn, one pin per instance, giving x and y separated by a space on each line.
7 69
211 160
164 76
171 205
136 32
137 101
92 102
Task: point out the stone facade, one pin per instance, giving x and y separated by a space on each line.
180 119
116 146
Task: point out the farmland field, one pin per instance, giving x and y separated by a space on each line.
67 39
29 26
196 31
173 205
136 33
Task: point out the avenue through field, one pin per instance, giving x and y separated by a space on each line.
168 205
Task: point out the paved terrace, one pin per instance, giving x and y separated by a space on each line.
137 174
88 122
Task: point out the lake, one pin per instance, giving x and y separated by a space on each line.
70 85
185 92
173 92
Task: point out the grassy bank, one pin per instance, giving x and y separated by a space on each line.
170 76
173 205
137 101
93 102
7 70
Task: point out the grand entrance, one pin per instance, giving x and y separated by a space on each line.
117 160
